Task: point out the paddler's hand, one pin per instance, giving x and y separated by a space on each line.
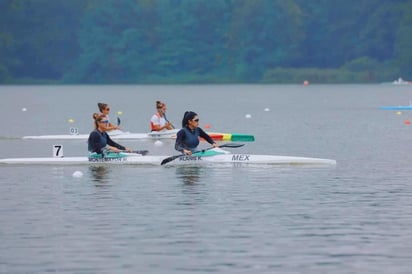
114 149
113 127
168 126
215 145
187 152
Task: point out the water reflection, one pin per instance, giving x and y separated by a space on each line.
100 174
188 174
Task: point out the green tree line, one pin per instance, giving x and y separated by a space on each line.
204 41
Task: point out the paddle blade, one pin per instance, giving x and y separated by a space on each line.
242 138
232 137
143 152
169 159
118 121
232 145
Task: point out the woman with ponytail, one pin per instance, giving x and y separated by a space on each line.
105 110
159 122
187 138
99 141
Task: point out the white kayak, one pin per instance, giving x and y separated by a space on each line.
115 134
211 157
155 135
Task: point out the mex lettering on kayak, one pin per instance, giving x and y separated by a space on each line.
240 158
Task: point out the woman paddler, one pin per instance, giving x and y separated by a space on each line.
105 110
159 122
99 141
187 138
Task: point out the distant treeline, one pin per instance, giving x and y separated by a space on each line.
204 41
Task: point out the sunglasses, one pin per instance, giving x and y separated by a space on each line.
107 109
104 122
196 120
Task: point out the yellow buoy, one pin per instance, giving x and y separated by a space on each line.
71 121
119 112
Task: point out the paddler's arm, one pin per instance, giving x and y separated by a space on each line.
110 126
158 127
179 144
115 147
206 136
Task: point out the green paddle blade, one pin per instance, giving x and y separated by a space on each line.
242 138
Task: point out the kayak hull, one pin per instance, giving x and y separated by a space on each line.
169 134
184 160
117 134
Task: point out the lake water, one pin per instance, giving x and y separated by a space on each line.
355 218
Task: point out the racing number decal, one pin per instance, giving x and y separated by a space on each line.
58 151
74 131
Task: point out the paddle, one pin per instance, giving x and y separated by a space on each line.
164 115
171 158
143 152
118 121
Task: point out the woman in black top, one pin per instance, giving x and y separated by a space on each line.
99 141
187 138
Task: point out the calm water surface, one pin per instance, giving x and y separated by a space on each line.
354 218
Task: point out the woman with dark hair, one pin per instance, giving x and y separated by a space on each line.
99 141
105 110
159 121
187 138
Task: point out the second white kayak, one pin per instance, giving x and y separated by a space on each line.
168 134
